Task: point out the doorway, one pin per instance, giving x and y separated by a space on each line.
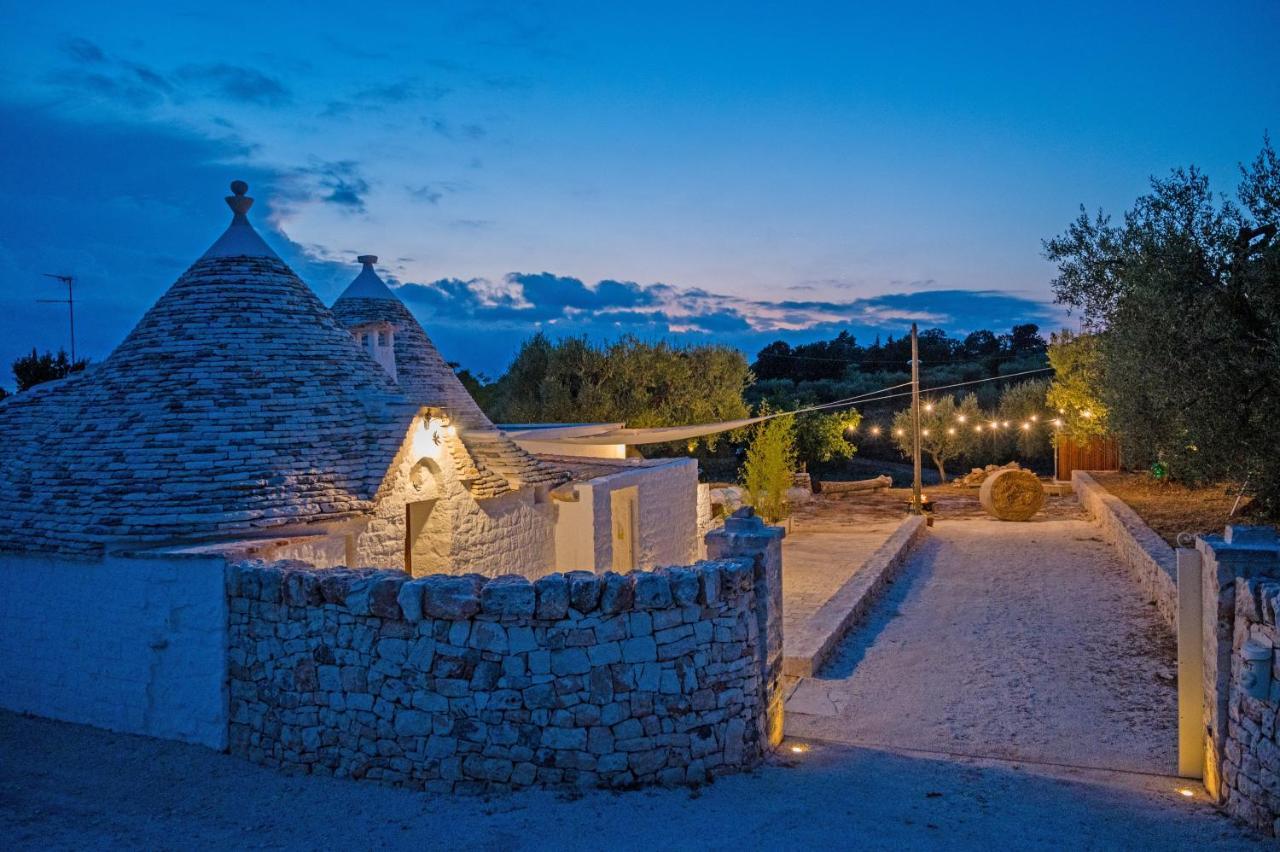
623 511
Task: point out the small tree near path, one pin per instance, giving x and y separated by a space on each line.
769 466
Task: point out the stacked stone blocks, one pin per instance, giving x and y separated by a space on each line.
468 684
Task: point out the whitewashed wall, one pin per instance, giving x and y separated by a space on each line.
133 645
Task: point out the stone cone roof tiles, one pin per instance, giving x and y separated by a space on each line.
237 403
426 378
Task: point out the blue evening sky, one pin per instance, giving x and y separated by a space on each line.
730 171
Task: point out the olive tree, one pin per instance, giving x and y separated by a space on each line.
947 429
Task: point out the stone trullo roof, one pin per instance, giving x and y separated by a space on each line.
495 464
237 403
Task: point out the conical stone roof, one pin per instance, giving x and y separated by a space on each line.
426 378
238 403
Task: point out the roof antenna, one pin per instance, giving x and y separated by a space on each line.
70 302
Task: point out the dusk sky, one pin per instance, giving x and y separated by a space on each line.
737 171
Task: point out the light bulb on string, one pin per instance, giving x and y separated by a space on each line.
960 418
924 431
951 430
928 406
897 432
875 430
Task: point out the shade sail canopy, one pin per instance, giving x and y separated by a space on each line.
611 434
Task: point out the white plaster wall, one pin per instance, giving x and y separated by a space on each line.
667 508
575 531
133 645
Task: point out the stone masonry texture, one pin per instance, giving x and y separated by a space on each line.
472 684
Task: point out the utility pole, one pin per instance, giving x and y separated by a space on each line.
70 302
917 501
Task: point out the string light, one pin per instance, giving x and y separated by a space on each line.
978 428
960 418
951 431
1026 426
924 431
875 430
928 406
897 432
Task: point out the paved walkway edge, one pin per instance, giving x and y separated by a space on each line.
1141 549
806 653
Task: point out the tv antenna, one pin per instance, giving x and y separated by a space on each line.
70 302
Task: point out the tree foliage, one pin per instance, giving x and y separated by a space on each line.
37 368
1074 395
946 429
823 437
1023 406
1184 297
770 464
642 384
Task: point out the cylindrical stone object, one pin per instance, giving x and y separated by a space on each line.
1012 495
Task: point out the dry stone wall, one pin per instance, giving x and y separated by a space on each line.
1251 753
462 683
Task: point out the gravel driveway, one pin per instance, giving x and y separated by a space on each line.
1028 641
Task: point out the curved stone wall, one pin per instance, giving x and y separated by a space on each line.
463 683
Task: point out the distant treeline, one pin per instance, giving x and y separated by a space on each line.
836 358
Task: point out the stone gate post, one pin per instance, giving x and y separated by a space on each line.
1241 552
745 536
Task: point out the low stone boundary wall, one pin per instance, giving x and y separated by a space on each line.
1147 555
808 651
461 683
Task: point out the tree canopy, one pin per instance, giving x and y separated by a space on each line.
629 380
1183 295
36 368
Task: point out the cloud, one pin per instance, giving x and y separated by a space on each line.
432 192
133 84
337 182
467 131
456 309
237 83
83 50
378 97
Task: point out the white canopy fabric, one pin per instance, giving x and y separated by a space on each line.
610 434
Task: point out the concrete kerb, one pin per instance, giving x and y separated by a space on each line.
1141 548
804 654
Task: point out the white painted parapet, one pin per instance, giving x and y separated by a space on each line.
129 644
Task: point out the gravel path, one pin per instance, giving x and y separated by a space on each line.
65 786
1026 641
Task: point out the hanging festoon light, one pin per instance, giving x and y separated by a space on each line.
928 406
875 431
951 430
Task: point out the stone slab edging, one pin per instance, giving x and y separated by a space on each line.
1142 550
806 653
